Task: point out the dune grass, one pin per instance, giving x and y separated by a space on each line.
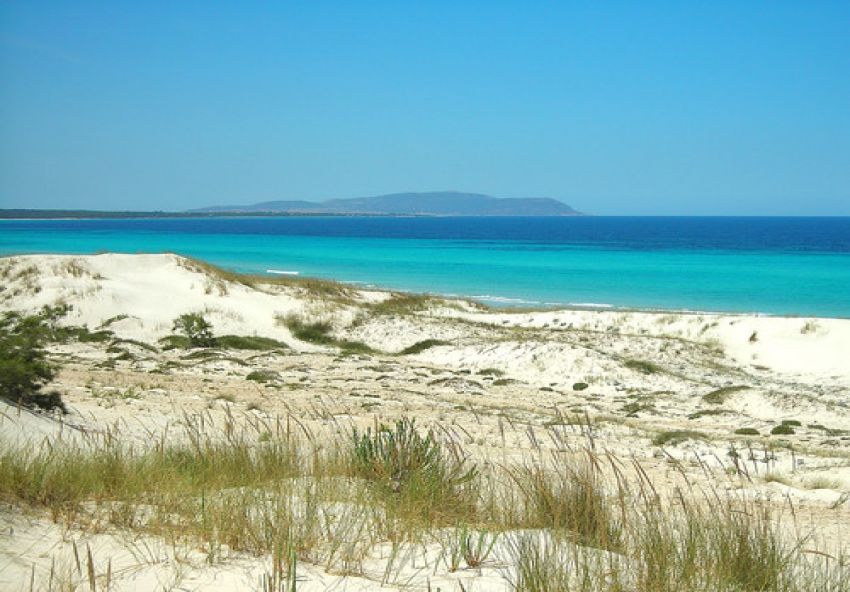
570 520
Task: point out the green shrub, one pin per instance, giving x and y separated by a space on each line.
747 432
677 437
580 386
782 430
316 332
196 329
353 347
643 366
252 342
719 396
263 376
418 470
24 368
175 342
791 422
421 346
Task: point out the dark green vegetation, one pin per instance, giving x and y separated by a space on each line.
674 437
24 368
415 471
643 366
719 396
747 432
195 328
263 376
197 332
782 430
319 333
421 346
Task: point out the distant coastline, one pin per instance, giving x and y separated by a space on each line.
26 214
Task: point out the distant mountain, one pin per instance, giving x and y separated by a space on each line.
439 203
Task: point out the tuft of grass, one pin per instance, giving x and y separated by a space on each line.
719 396
708 412
747 432
580 386
170 342
249 342
571 521
674 437
782 430
643 366
402 304
421 346
263 376
415 471
503 381
353 347
570 498
317 332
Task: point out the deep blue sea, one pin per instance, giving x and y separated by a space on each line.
795 266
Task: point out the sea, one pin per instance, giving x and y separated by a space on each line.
770 265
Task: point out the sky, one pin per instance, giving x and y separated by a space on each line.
616 108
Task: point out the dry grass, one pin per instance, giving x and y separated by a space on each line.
568 521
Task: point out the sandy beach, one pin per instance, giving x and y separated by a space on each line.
690 398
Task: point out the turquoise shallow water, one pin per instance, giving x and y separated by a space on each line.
768 265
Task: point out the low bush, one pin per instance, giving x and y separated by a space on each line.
719 396
263 376
421 346
251 342
196 329
643 366
420 471
782 430
674 437
747 432
24 367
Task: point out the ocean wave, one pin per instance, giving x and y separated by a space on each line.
592 304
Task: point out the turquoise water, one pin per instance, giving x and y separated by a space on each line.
767 265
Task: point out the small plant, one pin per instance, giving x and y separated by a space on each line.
24 368
580 386
196 329
467 546
426 475
421 346
809 327
721 395
675 437
252 342
791 422
263 376
782 430
747 432
643 366
317 332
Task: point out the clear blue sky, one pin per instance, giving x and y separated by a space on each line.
615 108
